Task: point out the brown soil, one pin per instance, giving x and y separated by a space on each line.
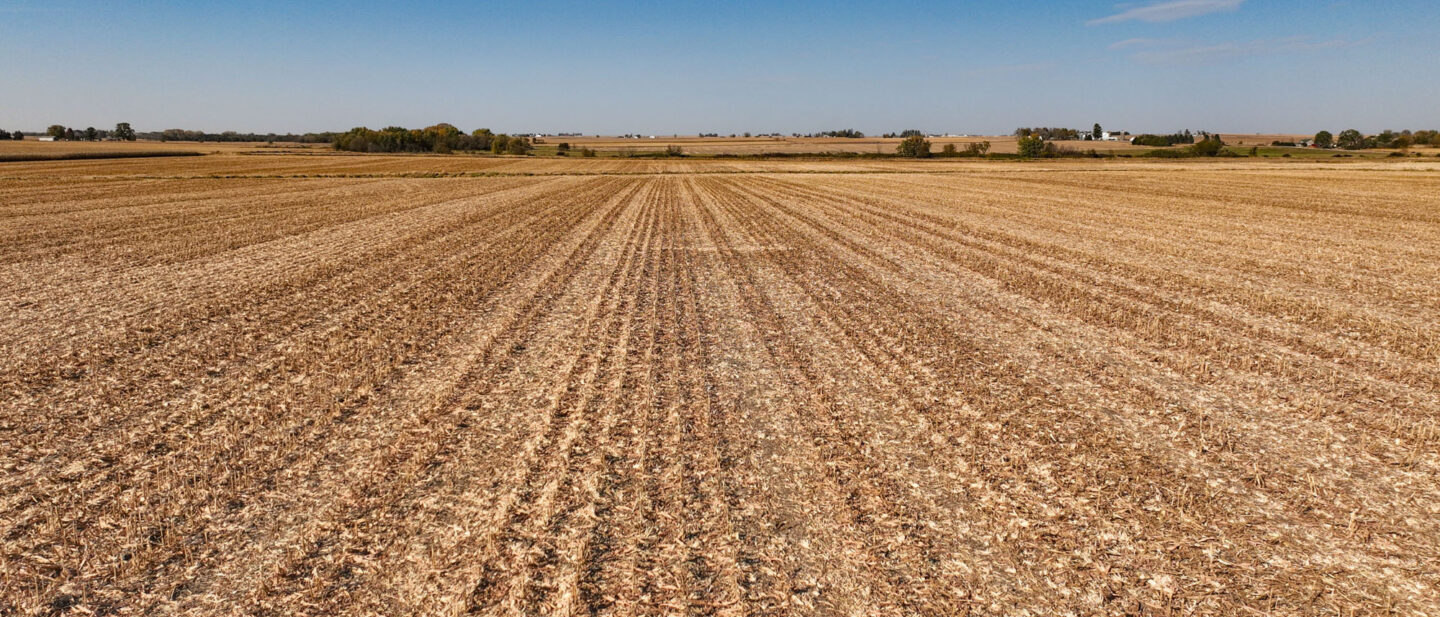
652 387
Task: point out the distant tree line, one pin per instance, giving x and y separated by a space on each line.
1351 139
564 149
905 134
1164 141
1048 133
186 135
17 135
1209 145
975 149
60 132
916 146
850 133
441 138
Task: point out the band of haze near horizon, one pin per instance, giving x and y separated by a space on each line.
1286 66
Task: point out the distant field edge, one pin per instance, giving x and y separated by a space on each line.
71 156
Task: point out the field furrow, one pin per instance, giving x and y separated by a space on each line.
349 384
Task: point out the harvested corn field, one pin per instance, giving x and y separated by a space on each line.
921 390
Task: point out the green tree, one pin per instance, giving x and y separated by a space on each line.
1030 147
1210 146
481 139
440 138
4 134
17 136
914 146
91 134
1324 139
518 145
498 144
1350 139
55 130
1096 133
949 150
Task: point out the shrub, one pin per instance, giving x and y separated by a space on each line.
1207 147
914 146
674 151
518 145
1030 147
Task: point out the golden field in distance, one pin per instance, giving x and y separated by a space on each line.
321 383
701 146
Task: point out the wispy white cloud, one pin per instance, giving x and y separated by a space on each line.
1170 53
1169 11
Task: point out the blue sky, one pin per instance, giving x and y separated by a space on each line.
686 67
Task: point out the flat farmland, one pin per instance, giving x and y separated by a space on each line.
801 145
281 385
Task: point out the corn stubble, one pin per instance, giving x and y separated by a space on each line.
674 388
